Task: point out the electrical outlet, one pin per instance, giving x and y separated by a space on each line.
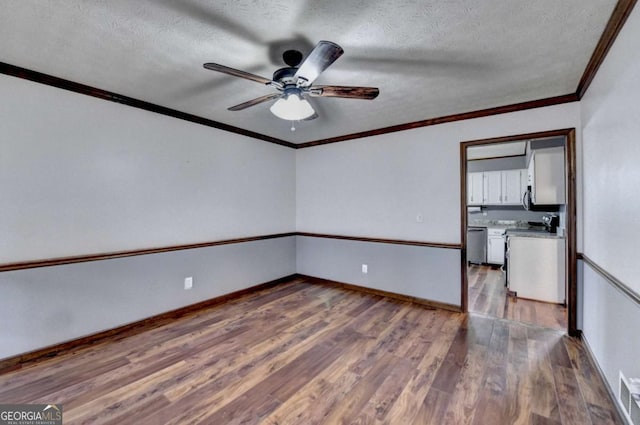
188 283
419 218
365 269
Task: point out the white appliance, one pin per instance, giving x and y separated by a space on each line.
537 268
545 178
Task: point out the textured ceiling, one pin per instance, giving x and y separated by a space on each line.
429 58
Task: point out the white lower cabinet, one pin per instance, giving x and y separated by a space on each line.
495 245
495 250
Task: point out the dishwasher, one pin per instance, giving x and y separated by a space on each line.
477 245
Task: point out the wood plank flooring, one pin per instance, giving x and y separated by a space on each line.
488 295
302 353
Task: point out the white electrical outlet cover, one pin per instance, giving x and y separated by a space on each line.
188 282
365 268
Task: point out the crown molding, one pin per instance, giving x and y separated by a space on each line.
539 103
617 20
61 83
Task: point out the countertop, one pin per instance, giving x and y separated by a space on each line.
515 228
532 233
499 224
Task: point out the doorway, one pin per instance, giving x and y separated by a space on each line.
494 174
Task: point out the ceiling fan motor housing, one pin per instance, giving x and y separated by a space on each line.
285 75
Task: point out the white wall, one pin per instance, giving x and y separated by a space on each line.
45 306
611 120
376 186
609 326
420 271
611 146
79 175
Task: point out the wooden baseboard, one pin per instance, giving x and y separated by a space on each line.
23 360
514 294
596 365
393 295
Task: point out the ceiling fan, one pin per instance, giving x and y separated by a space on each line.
295 82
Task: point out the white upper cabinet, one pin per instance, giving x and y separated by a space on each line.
512 187
524 182
493 192
475 189
496 187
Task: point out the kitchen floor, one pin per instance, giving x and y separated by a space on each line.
488 295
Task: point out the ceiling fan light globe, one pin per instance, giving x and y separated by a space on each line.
292 108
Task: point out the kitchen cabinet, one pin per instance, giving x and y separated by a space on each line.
475 189
531 170
495 246
546 176
536 268
513 186
493 187
496 187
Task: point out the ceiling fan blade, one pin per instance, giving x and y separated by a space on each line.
254 102
236 73
349 92
321 57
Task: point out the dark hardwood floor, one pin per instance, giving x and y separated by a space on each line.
302 353
488 295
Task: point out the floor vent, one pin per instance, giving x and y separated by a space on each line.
629 398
